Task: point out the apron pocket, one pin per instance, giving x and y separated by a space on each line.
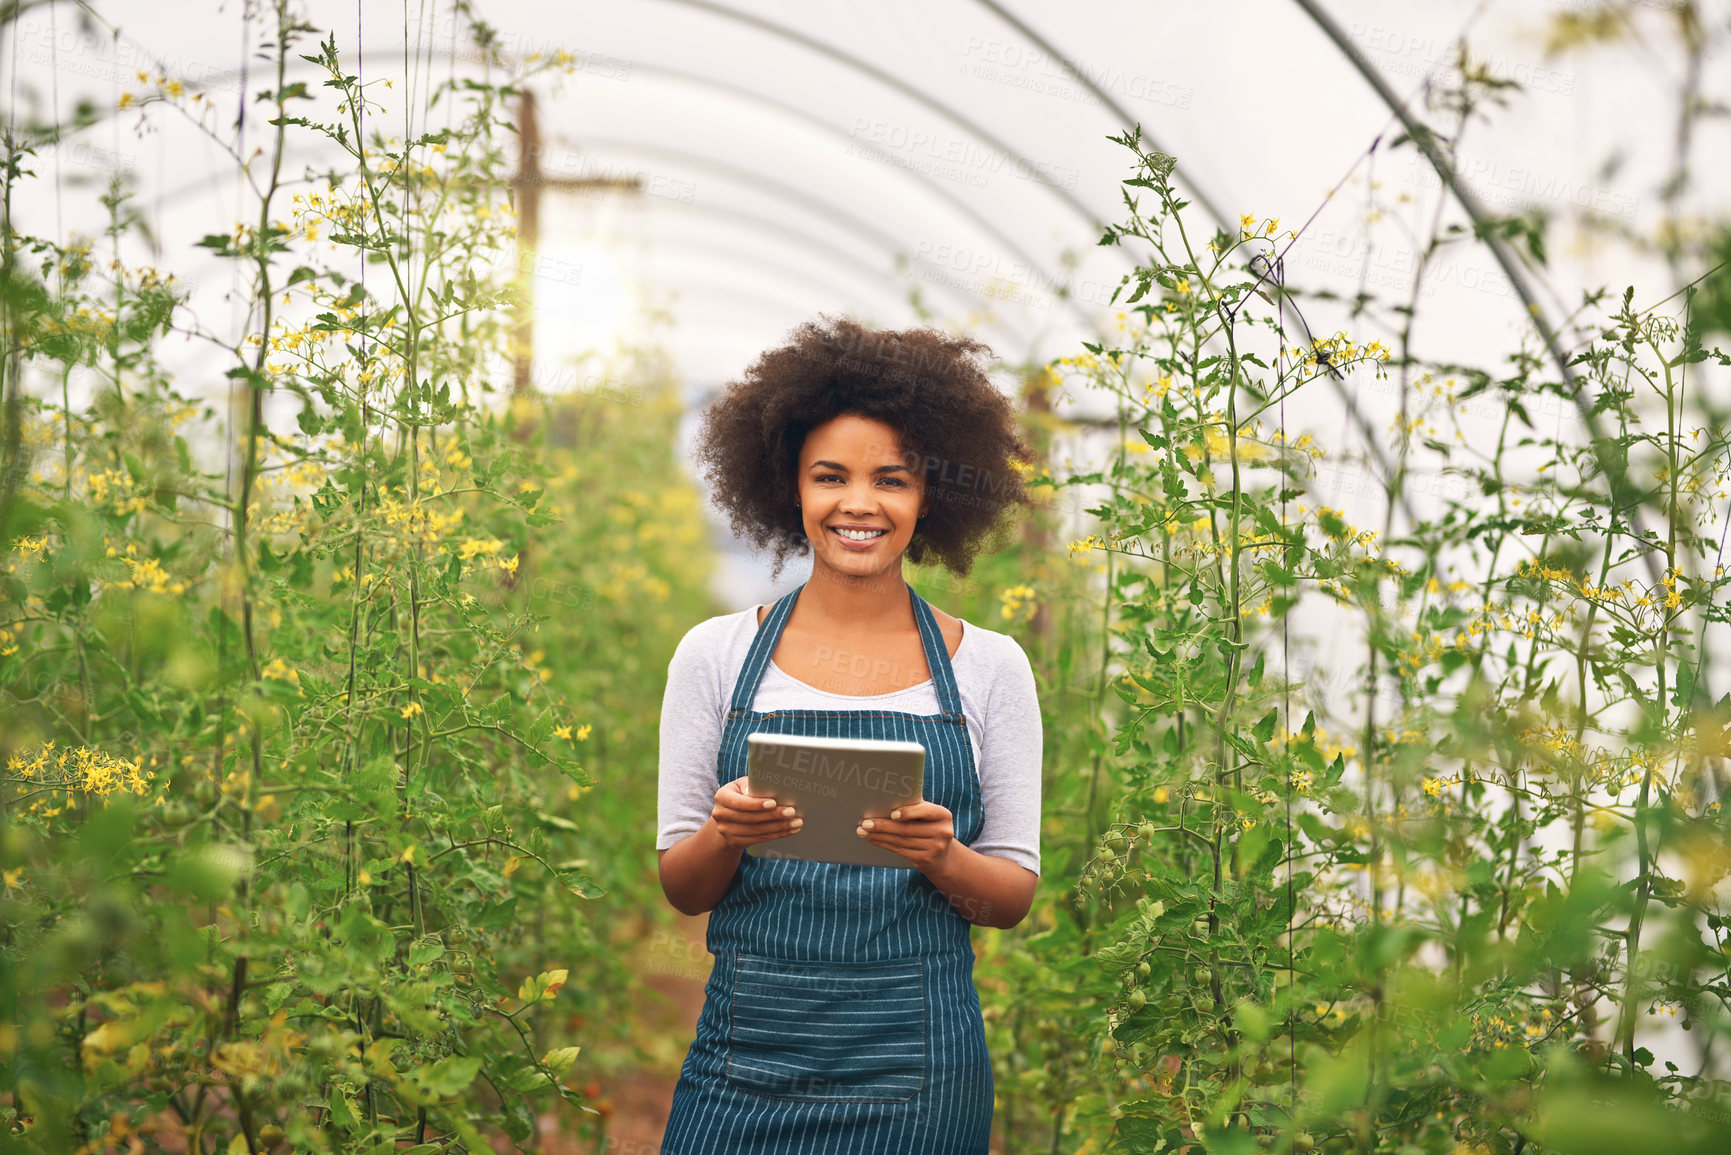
828 1033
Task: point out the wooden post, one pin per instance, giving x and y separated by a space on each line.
526 185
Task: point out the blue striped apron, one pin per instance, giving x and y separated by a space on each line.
841 1015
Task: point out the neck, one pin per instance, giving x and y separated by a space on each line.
833 598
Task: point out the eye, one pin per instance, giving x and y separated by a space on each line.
896 481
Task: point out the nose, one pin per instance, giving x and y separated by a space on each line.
860 497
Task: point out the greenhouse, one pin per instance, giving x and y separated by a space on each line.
729 576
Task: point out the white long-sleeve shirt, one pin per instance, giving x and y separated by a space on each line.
998 697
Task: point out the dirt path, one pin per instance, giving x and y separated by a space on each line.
635 1103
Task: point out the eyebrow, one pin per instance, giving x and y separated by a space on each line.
843 468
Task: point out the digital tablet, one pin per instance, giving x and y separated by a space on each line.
836 783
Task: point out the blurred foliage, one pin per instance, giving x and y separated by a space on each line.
303 705
1455 896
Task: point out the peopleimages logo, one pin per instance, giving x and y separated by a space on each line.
797 763
959 154
1517 186
1406 54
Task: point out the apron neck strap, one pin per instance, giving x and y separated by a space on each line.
769 636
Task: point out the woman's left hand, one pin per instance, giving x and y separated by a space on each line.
921 832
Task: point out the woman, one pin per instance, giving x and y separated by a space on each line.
841 1014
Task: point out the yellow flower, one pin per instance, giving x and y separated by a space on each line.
1273 223
125 100
80 768
1018 602
279 669
583 731
477 545
412 709
562 732
1085 544
12 878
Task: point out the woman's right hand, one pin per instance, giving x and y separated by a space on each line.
745 819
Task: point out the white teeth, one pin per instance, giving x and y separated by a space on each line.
861 534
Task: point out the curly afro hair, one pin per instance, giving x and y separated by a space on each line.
923 383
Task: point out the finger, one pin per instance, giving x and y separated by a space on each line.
921 811
752 835
906 827
755 819
747 804
893 841
911 852
740 788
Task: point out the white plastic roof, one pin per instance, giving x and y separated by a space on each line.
830 157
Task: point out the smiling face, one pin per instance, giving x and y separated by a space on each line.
859 496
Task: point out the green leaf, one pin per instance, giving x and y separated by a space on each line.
447 1077
555 822
560 1059
543 987
342 1109
425 951
578 883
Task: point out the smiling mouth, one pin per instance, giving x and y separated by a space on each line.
858 535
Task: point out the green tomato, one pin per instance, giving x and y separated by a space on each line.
1143 969
204 792
1146 830
1137 1000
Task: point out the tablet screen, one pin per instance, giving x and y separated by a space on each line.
836 783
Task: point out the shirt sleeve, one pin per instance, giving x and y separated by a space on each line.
691 721
1010 755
